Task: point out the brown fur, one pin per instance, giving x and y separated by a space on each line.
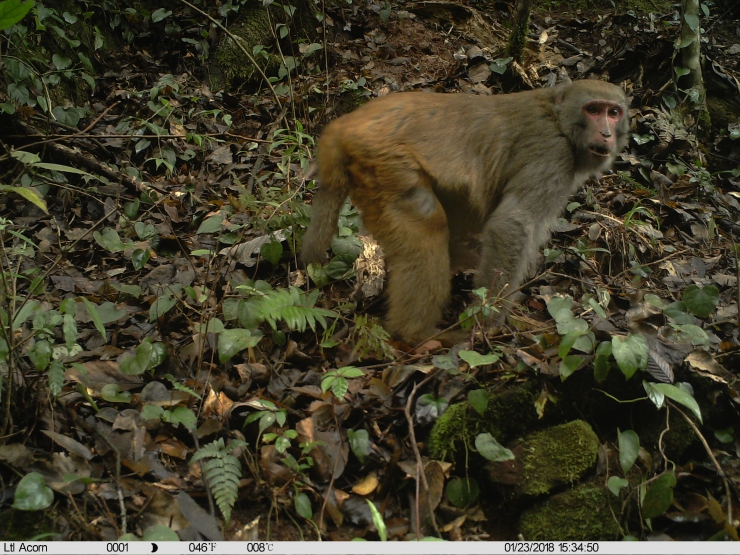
427 169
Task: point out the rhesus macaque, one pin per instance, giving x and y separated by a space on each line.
426 170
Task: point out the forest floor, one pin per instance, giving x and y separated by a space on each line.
162 329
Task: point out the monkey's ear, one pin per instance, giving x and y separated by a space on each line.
561 90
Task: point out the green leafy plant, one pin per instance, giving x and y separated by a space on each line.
429 407
336 380
156 533
282 441
295 146
630 353
582 249
31 70
576 335
655 496
630 220
701 301
680 319
499 65
478 399
222 472
293 306
462 492
491 449
44 323
32 493
346 247
359 442
370 337
12 11
378 521
147 356
176 416
268 416
352 85
475 359
479 311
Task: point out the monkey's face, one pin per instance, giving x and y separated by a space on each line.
604 122
594 117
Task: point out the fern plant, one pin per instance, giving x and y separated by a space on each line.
292 306
370 337
222 471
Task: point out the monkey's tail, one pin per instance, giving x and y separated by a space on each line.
335 187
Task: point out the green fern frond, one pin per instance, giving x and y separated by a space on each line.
222 472
370 337
294 307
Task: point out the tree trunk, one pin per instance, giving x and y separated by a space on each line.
690 40
518 38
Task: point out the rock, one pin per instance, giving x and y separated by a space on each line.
509 414
580 514
548 459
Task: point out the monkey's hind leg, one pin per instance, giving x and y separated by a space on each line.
415 237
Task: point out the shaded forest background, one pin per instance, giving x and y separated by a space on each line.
169 371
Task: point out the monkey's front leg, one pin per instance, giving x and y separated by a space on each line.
510 240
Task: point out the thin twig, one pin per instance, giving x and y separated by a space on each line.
333 475
698 433
653 263
716 464
117 477
420 475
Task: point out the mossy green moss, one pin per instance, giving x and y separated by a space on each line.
580 514
16 525
679 438
722 111
557 456
351 100
230 67
509 413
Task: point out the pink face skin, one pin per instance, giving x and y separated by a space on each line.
603 117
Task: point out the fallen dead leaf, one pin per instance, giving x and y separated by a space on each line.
367 485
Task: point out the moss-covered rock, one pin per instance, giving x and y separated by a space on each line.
230 67
675 442
580 514
722 110
509 413
16 525
548 459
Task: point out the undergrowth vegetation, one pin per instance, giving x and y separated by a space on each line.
156 326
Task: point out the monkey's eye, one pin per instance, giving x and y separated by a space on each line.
614 113
592 109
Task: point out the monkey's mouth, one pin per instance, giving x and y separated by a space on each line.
599 150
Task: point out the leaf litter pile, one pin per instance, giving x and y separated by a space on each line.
169 370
